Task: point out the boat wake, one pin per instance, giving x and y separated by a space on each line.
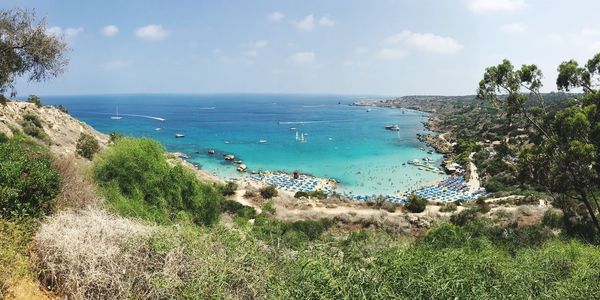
207 108
142 116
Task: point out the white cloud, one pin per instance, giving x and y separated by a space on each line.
483 6
391 54
325 21
309 23
275 16
151 32
67 33
514 28
306 24
110 30
254 48
301 58
428 42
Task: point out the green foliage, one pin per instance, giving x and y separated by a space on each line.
464 217
415 203
15 238
238 209
32 126
268 192
229 188
35 100
3 138
450 207
294 235
114 136
62 108
319 194
3 100
138 181
301 194
27 48
268 207
28 182
87 146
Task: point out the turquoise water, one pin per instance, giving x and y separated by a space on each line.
341 141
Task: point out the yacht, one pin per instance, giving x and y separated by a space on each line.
392 127
262 141
116 117
179 135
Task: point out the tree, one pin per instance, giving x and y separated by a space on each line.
35 100
564 158
87 145
268 192
26 48
415 203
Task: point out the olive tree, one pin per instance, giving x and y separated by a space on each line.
28 49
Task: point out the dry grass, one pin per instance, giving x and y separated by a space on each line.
91 254
77 190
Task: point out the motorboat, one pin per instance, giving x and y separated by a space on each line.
179 135
392 127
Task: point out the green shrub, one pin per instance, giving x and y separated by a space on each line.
249 194
14 245
229 188
301 194
319 194
482 206
268 207
238 209
3 100
415 203
294 234
389 206
28 182
62 108
553 219
35 100
464 217
138 181
32 126
87 146
268 192
33 119
3 138
114 136
450 207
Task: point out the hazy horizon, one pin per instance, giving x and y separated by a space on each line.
384 48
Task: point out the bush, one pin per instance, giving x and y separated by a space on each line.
3 100
301 194
114 136
3 138
32 126
268 192
389 206
62 108
268 207
138 181
464 217
319 194
35 100
87 146
229 188
28 182
415 203
553 219
482 206
14 246
249 194
450 207
238 209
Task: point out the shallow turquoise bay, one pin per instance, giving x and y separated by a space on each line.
341 141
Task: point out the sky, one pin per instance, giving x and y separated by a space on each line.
376 47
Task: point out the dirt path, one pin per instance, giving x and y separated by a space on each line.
474 183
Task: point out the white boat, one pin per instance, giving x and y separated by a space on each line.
157 129
368 110
297 136
392 127
302 138
179 135
292 128
116 117
262 141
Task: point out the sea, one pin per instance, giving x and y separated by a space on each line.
320 135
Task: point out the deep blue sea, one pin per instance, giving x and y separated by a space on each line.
344 142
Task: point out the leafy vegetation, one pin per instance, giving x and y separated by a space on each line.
87 146
415 203
238 209
139 182
32 126
28 182
229 188
35 100
268 192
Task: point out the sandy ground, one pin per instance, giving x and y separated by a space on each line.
474 183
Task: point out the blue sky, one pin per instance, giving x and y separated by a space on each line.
386 47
